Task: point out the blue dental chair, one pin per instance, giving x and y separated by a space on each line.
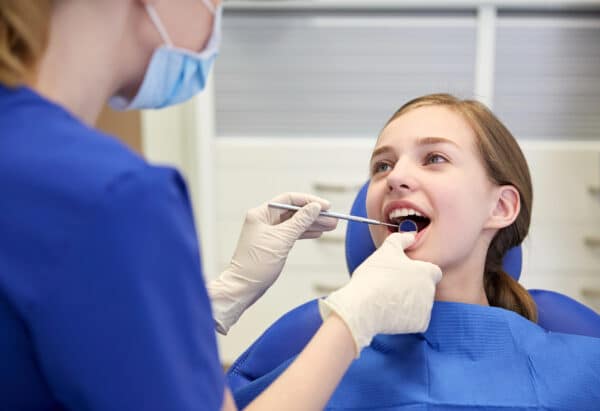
288 335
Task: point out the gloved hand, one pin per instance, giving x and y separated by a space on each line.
267 237
388 293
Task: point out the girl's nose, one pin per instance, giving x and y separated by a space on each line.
402 178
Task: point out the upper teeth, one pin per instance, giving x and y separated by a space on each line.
403 212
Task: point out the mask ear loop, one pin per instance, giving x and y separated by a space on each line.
210 6
158 24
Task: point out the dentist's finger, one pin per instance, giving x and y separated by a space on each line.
324 224
308 235
277 216
400 241
301 221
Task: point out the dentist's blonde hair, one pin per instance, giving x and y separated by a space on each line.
24 27
505 165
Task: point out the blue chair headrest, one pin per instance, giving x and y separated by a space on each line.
359 244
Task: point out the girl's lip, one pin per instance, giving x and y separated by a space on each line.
401 204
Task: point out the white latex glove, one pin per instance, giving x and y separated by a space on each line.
267 236
388 293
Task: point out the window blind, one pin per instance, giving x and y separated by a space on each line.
547 83
335 74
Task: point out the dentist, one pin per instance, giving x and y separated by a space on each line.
102 300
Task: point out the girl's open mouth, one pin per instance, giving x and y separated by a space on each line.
400 215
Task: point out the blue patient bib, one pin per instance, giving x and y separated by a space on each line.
471 358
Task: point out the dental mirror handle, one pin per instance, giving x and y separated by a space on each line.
334 215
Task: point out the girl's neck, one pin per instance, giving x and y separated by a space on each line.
464 283
461 291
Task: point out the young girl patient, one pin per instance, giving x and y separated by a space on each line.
453 168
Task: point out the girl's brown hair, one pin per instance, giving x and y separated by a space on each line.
505 165
24 26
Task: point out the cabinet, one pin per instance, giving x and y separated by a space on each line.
556 257
250 172
560 253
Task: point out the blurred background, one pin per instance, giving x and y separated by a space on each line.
302 88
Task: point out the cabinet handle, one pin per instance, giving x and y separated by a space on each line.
332 239
594 190
336 187
325 288
592 242
591 292
592 297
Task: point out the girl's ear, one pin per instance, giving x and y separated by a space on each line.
506 208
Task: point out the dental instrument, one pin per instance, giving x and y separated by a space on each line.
406 225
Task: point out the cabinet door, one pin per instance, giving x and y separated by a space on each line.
566 214
294 287
249 172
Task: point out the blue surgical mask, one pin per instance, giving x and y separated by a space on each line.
174 75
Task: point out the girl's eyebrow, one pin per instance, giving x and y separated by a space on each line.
380 150
421 141
428 141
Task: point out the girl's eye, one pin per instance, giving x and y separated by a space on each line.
434 158
381 167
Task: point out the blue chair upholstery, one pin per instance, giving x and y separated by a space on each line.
281 341
562 314
286 337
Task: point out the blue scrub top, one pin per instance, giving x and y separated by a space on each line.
102 300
